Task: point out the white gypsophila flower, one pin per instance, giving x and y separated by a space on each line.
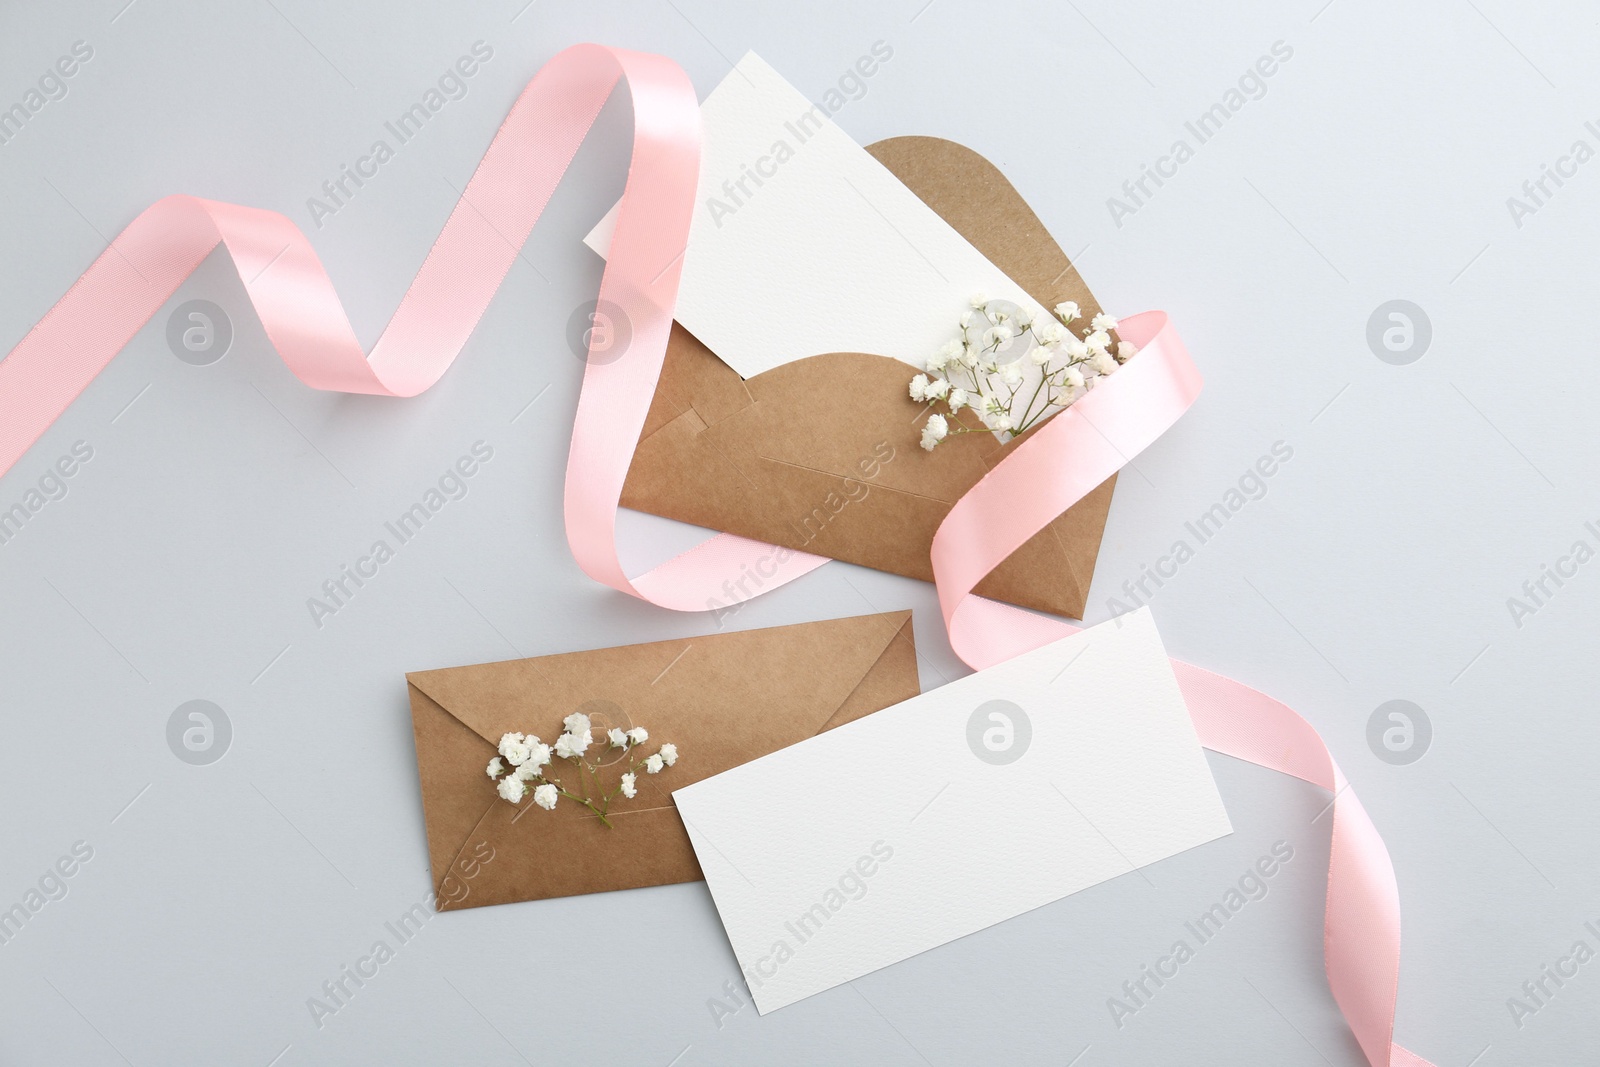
969 358
995 336
958 400
1041 355
571 746
1126 351
919 388
510 739
934 431
1003 423
950 350
1051 333
1074 378
966 319
669 754
654 764
628 788
576 723
516 754
495 767
979 299
1068 310
1076 349
617 738
545 796
1021 317
639 735
936 363
937 389
1102 321
527 771
1011 374
511 788
1102 362
1098 339
538 754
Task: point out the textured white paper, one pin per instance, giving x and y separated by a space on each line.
1112 779
829 253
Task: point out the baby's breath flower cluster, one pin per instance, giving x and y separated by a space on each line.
524 759
982 367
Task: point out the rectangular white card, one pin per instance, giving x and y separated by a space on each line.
907 829
803 244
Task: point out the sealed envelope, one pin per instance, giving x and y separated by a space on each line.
723 699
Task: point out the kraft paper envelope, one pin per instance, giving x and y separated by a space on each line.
820 452
723 700
958 809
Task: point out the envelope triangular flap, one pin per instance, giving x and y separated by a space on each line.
795 677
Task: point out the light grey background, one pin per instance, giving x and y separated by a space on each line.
1377 566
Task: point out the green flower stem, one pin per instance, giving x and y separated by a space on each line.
1024 422
586 803
594 797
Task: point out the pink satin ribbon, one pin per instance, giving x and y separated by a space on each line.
1067 457
1101 433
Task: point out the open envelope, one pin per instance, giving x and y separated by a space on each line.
820 454
724 700
818 277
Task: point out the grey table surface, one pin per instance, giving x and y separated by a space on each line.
1433 472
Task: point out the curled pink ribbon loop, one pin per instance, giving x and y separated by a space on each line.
302 316
1068 456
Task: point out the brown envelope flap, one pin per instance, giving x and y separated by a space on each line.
724 699
766 688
